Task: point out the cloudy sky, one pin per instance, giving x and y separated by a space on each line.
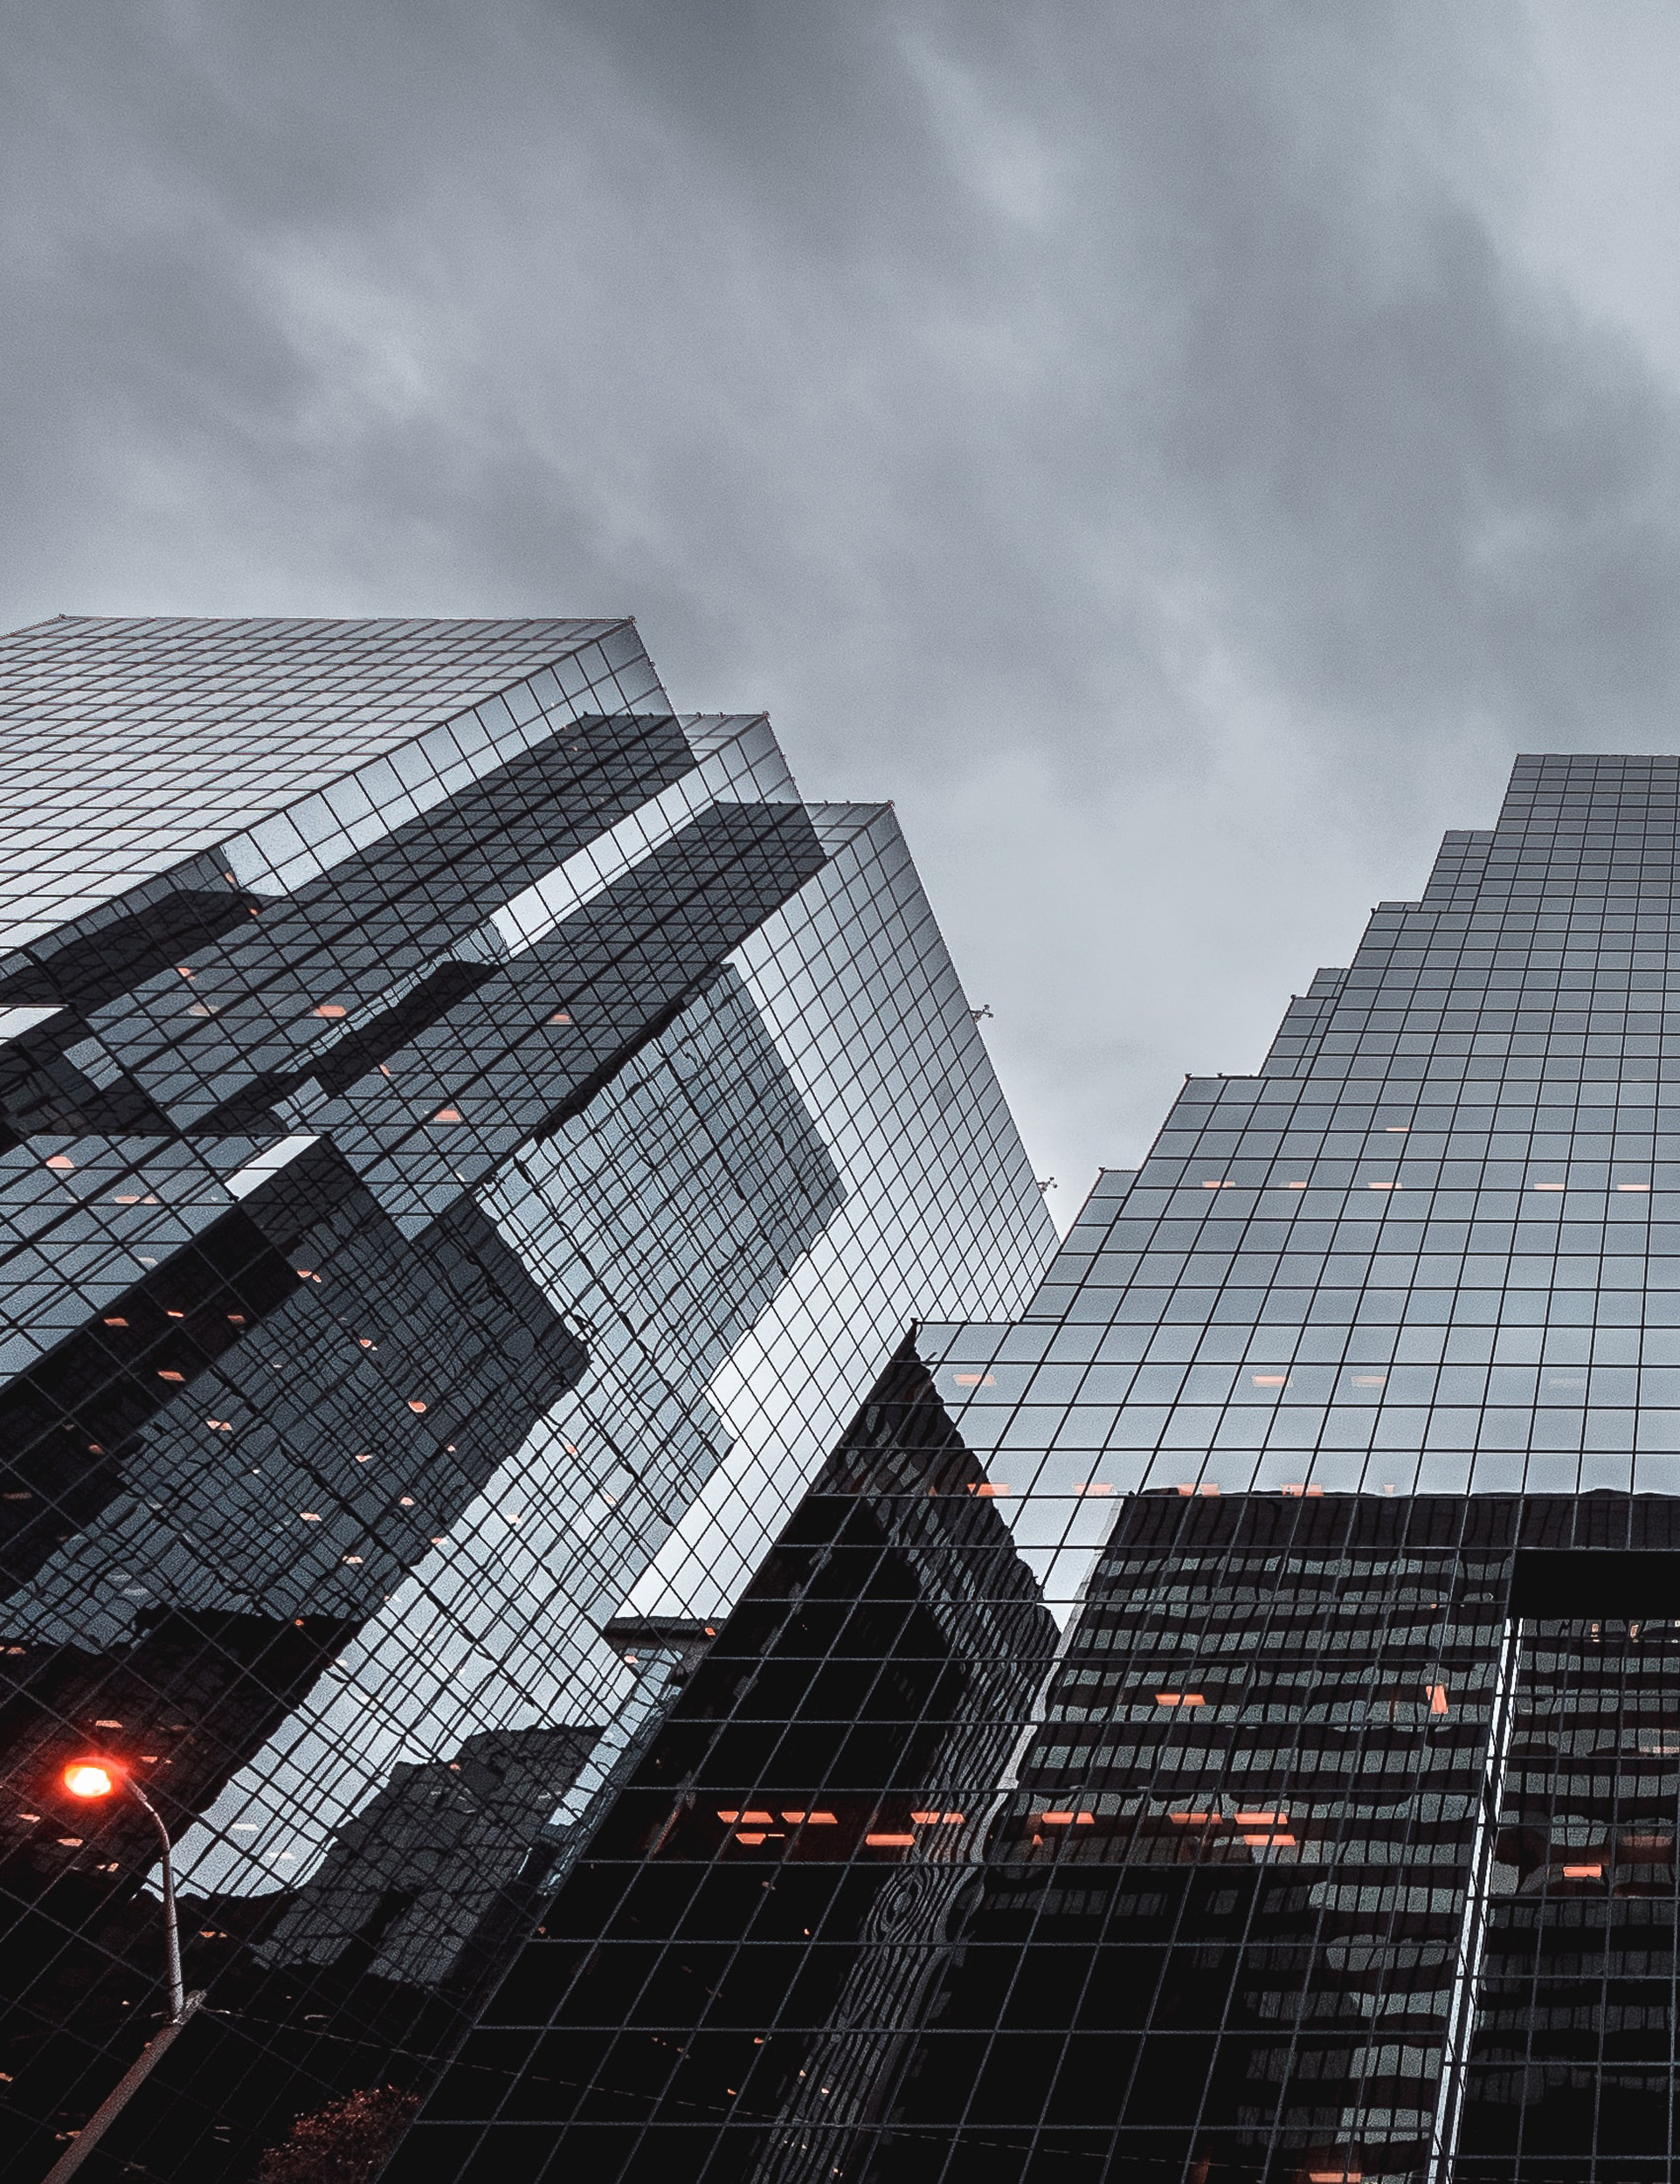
1177 450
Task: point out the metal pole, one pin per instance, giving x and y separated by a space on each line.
182 2006
171 1923
118 2098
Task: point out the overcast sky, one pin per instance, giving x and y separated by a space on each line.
1177 450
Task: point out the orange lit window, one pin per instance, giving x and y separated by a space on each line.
1195 1820
448 1115
974 1379
889 1842
1094 1486
1179 1698
730 1817
1632 1186
560 1017
116 1322
1583 1873
1383 1186
1437 1698
1270 1379
988 1490
59 1160
1301 1490
821 1820
1221 1184
755 1820
164 1374
1548 1187
742 1835
329 1008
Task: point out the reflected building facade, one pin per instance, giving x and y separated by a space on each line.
1298 1803
469 1137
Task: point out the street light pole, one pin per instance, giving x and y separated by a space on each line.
93 1779
99 1778
171 1921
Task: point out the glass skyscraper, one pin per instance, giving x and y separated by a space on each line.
469 1139
1224 1722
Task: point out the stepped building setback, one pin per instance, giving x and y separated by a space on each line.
470 1139
1221 1724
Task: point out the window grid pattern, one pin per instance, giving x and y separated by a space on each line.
130 743
439 1088
1312 1836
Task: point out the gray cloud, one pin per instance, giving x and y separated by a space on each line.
1136 439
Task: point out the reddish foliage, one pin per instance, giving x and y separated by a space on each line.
347 2142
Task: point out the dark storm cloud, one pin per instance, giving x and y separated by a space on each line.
1129 435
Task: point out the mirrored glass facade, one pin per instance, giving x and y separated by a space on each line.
1222 1722
469 1138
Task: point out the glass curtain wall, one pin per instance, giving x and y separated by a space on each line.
433 1120
1298 1801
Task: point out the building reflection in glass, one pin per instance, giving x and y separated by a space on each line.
440 1090
1300 1802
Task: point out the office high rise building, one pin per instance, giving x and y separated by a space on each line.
471 1136
1223 1723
